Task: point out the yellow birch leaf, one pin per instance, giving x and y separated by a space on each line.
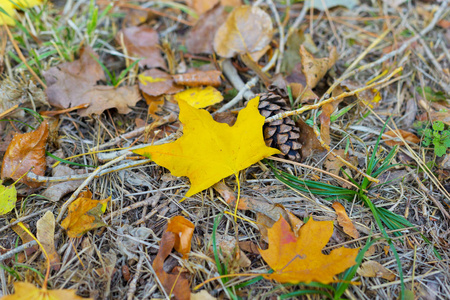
200 97
209 151
10 15
26 3
27 291
8 198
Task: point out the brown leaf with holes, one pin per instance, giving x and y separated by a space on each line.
248 29
198 78
142 42
26 152
393 140
201 37
155 83
374 269
45 227
174 283
315 68
75 83
345 221
183 229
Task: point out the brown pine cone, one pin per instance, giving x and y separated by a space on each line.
281 134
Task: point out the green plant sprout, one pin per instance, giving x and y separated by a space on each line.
436 135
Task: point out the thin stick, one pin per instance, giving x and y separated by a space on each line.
133 283
18 250
9 110
84 184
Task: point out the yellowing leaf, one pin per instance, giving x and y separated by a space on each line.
300 259
149 79
27 291
84 215
10 15
209 151
247 29
8 198
200 97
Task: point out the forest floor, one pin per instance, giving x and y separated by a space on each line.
366 85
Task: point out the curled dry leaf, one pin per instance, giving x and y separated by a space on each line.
155 83
173 282
209 151
200 97
183 229
372 268
300 259
142 42
46 236
27 291
247 29
84 215
200 38
26 152
198 78
345 221
8 198
392 139
75 83
315 68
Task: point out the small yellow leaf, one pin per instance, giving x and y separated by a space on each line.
27 291
146 79
10 15
209 151
84 215
200 97
8 198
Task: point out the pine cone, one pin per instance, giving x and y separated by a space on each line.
281 134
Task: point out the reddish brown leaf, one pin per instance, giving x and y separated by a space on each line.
26 152
248 29
394 140
183 229
324 119
175 283
74 83
198 78
200 38
155 83
345 221
143 42
315 68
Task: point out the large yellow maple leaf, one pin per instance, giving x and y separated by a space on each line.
7 6
209 151
300 259
27 291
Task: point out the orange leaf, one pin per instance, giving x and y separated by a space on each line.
315 68
175 284
27 291
84 215
248 29
183 229
345 221
26 152
406 135
301 259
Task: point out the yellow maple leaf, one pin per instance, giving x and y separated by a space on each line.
300 259
200 97
209 151
84 215
8 7
27 291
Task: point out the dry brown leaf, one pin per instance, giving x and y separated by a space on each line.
247 29
26 238
200 38
394 140
74 83
26 152
249 246
230 253
315 68
143 42
46 236
155 83
173 282
183 229
308 139
202 6
345 221
58 190
305 93
198 78
375 269
202 295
